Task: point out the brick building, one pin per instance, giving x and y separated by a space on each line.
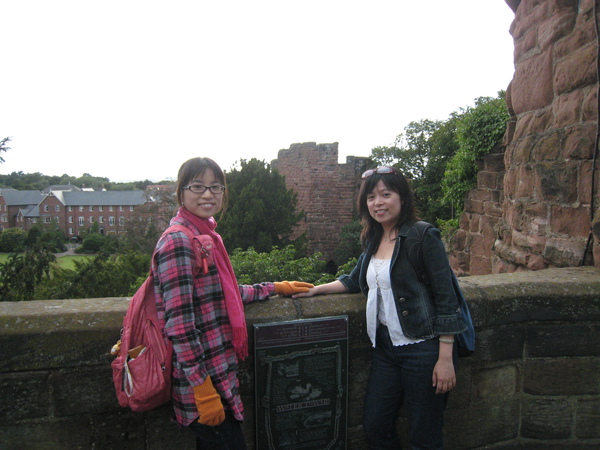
72 209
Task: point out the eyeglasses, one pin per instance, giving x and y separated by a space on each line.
380 170
197 188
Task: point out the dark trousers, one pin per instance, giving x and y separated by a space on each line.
403 373
226 436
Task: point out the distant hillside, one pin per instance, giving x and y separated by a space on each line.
39 181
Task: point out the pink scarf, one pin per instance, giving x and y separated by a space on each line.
231 292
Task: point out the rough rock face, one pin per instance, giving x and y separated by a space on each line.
534 210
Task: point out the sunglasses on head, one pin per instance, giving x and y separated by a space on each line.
379 170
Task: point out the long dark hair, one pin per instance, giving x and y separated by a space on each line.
395 181
195 167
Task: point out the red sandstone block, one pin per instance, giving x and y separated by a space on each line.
567 108
480 265
576 70
547 147
590 106
579 37
579 142
492 208
573 222
532 83
559 25
480 194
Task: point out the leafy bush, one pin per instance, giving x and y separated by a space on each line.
12 240
478 130
280 264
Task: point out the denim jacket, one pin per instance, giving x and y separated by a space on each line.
424 310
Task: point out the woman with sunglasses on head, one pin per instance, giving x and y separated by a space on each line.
411 325
201 311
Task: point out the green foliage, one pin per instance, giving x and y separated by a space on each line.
103 276
12 240
4 147
261 211
421 153
252 267
479 129
20 274
46 235
349 246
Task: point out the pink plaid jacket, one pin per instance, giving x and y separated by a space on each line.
194 318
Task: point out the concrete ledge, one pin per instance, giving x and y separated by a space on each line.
533 379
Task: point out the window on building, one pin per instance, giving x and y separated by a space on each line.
120 208
110 208
4 217
131 208
91 208
92 219
70 209
121 221
57 208
34 220
81 209
70 219
100 208
45 208
47 219
81 221
70 230
101 219
111 221
56 220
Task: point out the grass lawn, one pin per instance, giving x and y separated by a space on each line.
65 262
68 262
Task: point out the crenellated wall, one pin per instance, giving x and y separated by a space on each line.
533 381
326 191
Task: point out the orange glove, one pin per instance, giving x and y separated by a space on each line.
209 404
291 287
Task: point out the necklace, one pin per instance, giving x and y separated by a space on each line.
388 238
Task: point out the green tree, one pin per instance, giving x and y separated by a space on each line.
421 153
261 212
22 272
12 240
349 246
478 130
103 276
4 147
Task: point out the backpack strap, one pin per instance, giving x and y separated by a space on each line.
412 246
198 245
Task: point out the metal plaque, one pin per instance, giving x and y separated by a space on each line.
301 376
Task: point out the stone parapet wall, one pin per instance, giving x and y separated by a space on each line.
326 191
532 383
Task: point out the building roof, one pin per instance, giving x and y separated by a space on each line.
104 198
14 197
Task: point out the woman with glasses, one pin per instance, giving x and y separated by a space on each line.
201 311
411 325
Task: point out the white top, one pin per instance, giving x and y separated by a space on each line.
378 279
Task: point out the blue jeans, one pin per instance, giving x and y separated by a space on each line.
226 436
397 374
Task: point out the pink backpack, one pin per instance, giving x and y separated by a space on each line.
142 370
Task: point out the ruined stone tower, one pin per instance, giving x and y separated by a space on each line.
326 191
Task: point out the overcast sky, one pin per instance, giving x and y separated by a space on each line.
129 90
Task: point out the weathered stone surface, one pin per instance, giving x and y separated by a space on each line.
588 418
573 376
547 419
24 396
